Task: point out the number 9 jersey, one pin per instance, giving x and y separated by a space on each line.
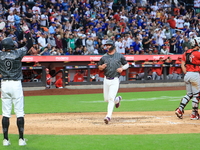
10 63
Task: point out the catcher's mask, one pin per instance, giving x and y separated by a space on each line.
8 43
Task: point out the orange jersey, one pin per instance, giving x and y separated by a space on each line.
48 79
59 83
78 77
158 70
101 73
93 71
178 70
195 59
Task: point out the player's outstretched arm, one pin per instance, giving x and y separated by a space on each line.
29 40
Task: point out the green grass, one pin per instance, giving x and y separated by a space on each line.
138 101
135 101
107 142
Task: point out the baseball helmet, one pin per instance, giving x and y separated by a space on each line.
109 42
8 43
195 41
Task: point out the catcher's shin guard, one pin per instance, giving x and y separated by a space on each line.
185 100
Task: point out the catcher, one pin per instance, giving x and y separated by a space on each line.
190 66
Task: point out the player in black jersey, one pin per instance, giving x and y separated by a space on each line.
11 86
113 64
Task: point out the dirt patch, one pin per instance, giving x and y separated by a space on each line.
157 122
121 123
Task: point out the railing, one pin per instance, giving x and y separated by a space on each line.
130 76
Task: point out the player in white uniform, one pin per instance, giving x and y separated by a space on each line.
11 87
113 64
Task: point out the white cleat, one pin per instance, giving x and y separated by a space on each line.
22 142
6 142
118 104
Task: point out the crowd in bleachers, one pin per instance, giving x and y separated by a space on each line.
81 27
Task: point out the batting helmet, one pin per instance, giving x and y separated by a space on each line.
195 41
8 43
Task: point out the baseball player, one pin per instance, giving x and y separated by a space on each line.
112 63
93 72
78 77
177 70
11 87
190 66
48 79
157 71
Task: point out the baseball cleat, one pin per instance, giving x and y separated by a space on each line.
6 142
106 120
194 117
118 104
179 113
22 142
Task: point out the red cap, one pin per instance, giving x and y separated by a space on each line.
161 58
146 60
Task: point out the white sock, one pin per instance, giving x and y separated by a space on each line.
111 105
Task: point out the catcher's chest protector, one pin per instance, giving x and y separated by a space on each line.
188 58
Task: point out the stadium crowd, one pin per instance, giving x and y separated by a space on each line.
81 27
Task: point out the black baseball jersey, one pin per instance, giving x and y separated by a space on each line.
113 62
10 63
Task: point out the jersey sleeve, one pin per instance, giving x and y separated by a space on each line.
101 61
123 60
22 51
183 57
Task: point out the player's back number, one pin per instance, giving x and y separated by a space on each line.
8 65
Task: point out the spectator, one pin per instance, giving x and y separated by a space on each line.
59 44
29 17
46 51
120 46
69 52
100 33
172 43
11 19
51 40
36 8
164 50
71 42
146 43
42 41
137 46
90 45
77 51
186 44
44 19
52 28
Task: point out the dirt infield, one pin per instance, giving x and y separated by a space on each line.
92 123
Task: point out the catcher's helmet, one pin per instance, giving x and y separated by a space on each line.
8 43
195 41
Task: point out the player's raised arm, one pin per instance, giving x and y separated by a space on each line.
29 40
